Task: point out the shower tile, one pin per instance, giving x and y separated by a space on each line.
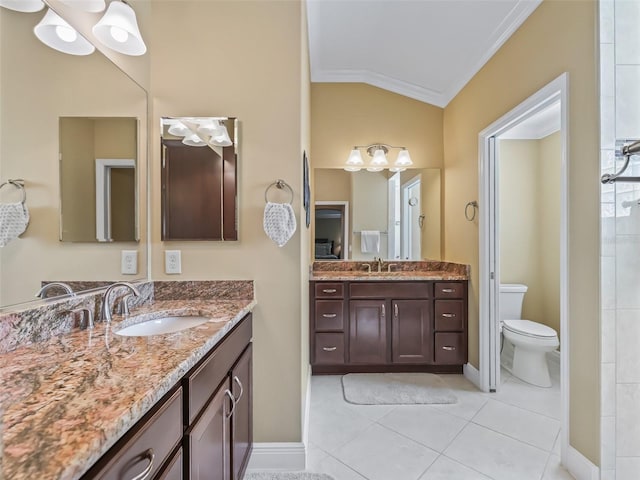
627 272
627 32
608 236
607 282
608 390
608 337
608 125
608 434
628 420
607 23
628 468
607 71
627 113
627 358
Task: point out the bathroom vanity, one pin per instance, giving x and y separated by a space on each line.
388 321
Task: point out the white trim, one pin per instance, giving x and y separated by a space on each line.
347 229
471 373
103 194
278 456
558 89
580 466
306 409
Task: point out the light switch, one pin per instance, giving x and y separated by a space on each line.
172 262
129 265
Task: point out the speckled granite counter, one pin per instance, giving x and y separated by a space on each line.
66 400
401 270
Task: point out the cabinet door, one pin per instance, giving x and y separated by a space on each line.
209 441
368 331
411 331
241 436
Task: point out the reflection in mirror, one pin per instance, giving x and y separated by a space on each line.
104 209
399 213
199 178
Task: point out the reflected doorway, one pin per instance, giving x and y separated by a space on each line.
331 230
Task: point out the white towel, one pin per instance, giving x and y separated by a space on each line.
279 222
370 241
14 218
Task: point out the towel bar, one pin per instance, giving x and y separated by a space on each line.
19 184
280 185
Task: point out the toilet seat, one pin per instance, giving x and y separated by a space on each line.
529 328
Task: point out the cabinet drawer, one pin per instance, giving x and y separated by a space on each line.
450 349
149 445
449 315
329 290
449 290
201 383
329 348
174 468
329 315
395 290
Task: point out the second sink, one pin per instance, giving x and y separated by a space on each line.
159 326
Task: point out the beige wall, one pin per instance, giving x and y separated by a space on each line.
267 92
558 37
530 223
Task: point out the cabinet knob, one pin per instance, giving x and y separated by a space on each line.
448 348
228 393
329 349
448 290
329 315
449 315
329 290
147 471
237 380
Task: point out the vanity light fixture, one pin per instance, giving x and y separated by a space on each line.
26 6
378 152
118 30
56 33
198 131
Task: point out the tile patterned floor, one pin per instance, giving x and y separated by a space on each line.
510 435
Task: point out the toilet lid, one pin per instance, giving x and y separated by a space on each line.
527 327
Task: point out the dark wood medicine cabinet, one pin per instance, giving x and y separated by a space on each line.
199 183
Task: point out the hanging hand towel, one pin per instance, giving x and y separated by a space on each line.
370 241
14 218
279 222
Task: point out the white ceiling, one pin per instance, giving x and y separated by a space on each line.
423 49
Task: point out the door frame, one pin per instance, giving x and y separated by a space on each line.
346 233
489 274
103 195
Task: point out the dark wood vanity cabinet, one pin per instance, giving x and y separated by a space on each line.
388 326
202 429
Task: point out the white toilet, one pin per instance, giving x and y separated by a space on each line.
531 340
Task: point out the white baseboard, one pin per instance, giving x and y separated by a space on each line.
306 408
472 374
580 466
278 456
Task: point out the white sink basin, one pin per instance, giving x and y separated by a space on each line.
158 326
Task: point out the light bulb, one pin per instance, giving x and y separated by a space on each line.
66 34
119 34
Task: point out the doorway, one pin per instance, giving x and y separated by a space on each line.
331 230
489 220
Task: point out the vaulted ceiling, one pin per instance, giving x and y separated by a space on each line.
423 49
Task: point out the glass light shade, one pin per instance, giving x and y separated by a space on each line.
26 6
54 32
179 129
374 169
221 139
352 169
403 160
379 159
355 159
194 140
397 169
86 5
210 127
118 30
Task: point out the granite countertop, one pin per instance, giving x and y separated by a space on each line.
65 401
357 270
390 276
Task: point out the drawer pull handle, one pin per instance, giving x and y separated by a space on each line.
329 290
145 473
449 315
448 348
383 311
329 349
237 380
395 309
329 315
228 393
448 290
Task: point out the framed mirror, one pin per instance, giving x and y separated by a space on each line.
199 178
40 86
399 213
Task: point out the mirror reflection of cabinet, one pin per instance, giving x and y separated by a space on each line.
199 188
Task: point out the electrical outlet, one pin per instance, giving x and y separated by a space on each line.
172 262
129 265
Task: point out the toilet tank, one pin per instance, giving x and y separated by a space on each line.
511 297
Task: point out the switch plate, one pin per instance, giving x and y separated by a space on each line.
172 262
129 265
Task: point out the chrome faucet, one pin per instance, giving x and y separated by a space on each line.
87 316
105 312
42 293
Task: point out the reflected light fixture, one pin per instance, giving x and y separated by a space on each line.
26 6
118 30
378 152
56 33
198 131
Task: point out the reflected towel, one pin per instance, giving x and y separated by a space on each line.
370 241
279 222
14 218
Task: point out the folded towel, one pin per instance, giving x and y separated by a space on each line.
14 218
279 222
370 241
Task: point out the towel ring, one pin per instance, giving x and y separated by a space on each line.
19 184
471 217
279 184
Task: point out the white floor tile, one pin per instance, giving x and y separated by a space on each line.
523 425
470 399
555 471
545 401
380 454
425 425
331 426
446 469
496 455
324 463
557 446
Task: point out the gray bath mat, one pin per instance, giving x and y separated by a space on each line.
395 389
286 476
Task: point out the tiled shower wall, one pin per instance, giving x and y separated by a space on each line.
620 236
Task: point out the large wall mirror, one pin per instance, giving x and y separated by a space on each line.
43 92
399 213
